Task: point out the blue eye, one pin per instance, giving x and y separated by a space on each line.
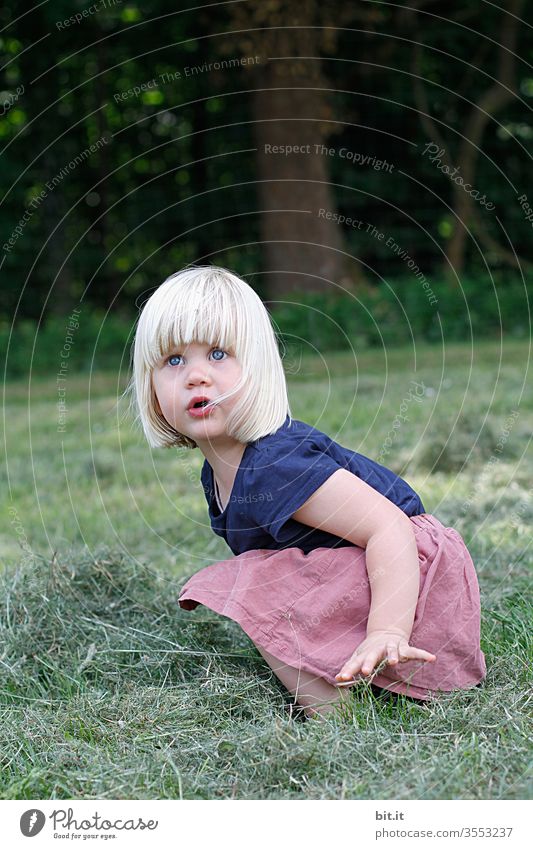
173 357
220 351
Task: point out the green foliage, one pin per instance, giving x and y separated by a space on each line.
100 342
176 179
388 315
396 312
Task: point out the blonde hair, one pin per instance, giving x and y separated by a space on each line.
211 305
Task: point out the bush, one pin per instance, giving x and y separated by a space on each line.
99 342
390 314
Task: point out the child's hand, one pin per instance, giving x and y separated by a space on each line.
377 646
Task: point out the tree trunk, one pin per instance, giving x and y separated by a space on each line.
303 245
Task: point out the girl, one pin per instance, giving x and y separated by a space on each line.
337 568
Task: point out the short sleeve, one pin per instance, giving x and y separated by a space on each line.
283 478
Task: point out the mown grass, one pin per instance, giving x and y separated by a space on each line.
109 690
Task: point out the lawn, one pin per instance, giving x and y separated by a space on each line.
110 690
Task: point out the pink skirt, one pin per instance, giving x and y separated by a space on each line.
310 610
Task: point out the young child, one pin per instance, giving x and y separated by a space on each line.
338 573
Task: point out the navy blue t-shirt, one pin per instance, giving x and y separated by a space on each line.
277 474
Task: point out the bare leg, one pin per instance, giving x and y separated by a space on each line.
314 694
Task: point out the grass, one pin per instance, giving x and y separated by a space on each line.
109 690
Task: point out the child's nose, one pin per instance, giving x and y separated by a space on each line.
198 374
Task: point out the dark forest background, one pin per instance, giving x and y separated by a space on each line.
180 108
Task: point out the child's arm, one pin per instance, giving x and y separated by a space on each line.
348 507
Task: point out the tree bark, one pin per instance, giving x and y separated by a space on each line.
303 246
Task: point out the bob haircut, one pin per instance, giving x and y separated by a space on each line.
210 305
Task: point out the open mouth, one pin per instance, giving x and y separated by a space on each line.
198 403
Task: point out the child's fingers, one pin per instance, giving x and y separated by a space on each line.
346 672
397 652
363 663
402 652
425 655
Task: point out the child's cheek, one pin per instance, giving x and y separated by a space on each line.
159 399
159 395
163 408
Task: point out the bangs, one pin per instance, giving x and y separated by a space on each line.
190 314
